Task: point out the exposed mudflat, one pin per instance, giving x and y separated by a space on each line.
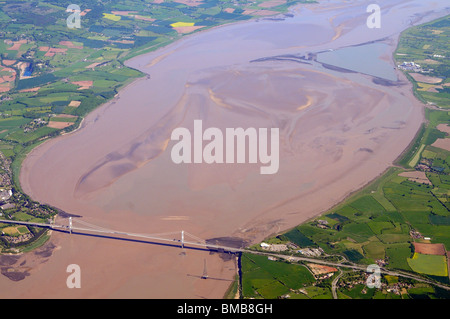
338 131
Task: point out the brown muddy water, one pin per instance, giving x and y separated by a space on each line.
338 131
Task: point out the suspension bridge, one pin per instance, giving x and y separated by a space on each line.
182 238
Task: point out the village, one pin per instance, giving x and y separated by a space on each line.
390 284
349 279
343 279
15 205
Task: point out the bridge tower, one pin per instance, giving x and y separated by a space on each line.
182 239
70 225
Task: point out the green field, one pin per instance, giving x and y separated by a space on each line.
429 264
264 278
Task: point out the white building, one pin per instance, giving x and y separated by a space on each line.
5 194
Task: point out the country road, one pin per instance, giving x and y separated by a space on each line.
334 283
352 266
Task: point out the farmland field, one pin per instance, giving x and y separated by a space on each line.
270 279
429 264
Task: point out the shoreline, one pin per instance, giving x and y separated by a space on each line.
145 75
402 80
394 164
103 107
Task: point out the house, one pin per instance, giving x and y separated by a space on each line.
409 66
275 247
7 206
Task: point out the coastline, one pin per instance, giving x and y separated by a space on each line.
133 82
402 78
354 193
103 108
